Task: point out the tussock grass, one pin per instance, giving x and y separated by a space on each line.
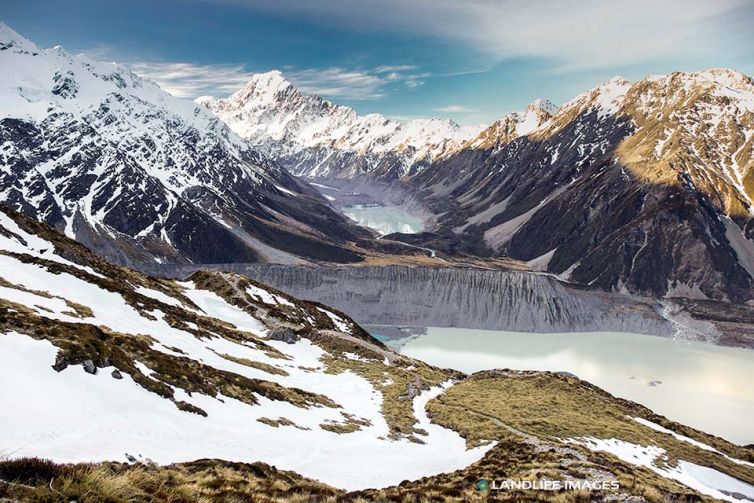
199 481
29 470
264 367
553 406
392 381
281 421
349 424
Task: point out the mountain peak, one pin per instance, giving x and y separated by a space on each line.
268 82
262 89
273 78
544 105
11 38
726 77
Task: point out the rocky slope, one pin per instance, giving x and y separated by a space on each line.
315 138
104 365
513 125
463 297
644 188
122 166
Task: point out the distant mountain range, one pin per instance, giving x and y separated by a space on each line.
140 176
313 137
643 188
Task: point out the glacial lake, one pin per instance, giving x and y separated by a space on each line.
708 387
384 219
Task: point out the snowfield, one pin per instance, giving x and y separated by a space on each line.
76 416
700 478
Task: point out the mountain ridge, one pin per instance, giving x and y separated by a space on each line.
139 175
642 187
312 137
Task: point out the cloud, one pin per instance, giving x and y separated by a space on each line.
339 83
187 80
454 109
574 34
364 84
394 68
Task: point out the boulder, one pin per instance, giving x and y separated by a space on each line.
283 334
89 367
61 362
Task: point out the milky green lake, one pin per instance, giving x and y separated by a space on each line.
384 219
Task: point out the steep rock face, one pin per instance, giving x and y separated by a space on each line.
138 175
458 297
312 137
645 188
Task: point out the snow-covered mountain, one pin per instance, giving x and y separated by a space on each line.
139 175
514 125
313 137
645 187
101 363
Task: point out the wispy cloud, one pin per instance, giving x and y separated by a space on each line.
574 34
339 83
188 80
394 68
362 84
454 109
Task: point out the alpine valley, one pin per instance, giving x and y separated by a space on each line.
220 388
184 302
642 190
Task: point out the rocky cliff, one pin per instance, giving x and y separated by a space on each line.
459 297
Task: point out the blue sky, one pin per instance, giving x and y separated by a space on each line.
472 60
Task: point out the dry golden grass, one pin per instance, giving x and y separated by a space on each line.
524 413
551 406
264 367
199 481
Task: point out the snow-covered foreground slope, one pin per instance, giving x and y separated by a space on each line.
701 478
313 137
141 176
78 417
99 363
